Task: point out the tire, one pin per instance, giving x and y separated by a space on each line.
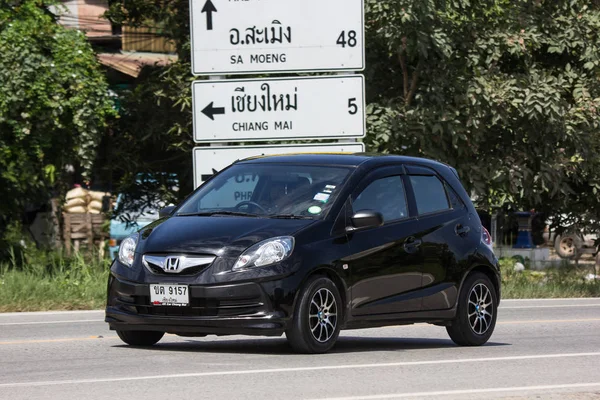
568 246
464 331
322 316
140 338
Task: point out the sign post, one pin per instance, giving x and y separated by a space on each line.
316 107
210 160
231 37
275 36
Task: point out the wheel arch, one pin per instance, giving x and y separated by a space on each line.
489 272
337 280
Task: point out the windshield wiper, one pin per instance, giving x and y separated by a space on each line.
213 213
290 216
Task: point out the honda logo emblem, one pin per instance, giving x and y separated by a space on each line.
171 264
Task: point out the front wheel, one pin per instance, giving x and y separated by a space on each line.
476 312
140 338
317 317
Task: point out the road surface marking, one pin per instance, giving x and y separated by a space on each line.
297 369
467 391
530 321
557 299
550 306
51 322
547 321
57 340
541 321
34 313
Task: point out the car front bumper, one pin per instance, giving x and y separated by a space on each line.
247 308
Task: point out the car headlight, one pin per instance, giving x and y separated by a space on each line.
127 249
265 253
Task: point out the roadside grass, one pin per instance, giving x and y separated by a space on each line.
566 281
36 280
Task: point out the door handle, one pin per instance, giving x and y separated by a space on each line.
412 244
461 230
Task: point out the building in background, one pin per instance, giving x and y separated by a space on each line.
123 50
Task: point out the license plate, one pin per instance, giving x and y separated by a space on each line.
169 295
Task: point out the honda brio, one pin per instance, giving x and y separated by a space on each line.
307 245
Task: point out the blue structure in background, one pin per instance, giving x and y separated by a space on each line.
119 230
524 239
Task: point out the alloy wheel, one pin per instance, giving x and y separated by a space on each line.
480 309
322 316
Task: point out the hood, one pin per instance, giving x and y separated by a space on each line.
224 236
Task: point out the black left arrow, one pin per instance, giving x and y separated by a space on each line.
210 111
209 8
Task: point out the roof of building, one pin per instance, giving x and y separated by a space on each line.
131 63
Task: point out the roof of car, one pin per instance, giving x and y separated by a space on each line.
341 159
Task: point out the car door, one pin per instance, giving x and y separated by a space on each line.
386 261
448 235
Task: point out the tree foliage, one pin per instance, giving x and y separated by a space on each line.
153 137
505 90
54 104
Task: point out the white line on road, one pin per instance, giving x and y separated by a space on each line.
296 369
467 391
73 321
557 299
35 313
549 306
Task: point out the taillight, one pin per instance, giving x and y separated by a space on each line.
486 237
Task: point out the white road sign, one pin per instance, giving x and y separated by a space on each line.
252 36
279 108
210 160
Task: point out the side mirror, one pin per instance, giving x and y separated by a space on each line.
166 212
364 219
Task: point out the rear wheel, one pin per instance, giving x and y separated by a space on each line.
316 323
140 338
476 312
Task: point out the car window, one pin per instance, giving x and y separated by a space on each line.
236 189
456 202
269 190
385 195
430 194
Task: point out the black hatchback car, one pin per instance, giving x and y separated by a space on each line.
307 245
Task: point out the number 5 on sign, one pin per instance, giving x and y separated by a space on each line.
352 106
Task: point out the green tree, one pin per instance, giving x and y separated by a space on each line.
505 90
152 140
54 104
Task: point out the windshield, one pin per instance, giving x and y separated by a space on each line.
272 190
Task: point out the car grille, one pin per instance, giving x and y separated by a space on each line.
187 272
186 264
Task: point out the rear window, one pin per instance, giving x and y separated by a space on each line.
456 202
430 194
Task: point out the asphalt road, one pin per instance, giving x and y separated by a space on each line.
547 348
